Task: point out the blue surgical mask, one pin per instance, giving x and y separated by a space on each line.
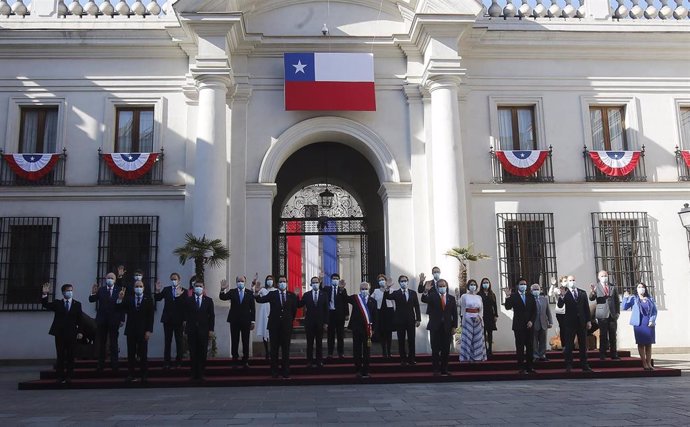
282 286
382 283
437 276
315 286
535 293
522 288
364 292
240 285
473 288
110 282
138 291
67 294
269 283
198 290
335 282
403 284
442 290
173 283
485 285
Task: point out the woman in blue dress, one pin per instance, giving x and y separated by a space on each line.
643 320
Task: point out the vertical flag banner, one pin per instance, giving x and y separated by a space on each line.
329 81
330 251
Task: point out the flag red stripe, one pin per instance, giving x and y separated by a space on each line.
294 260
320 96
686 157
130 175
31 176
612 171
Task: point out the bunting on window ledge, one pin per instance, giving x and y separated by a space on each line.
31 166
686 157
615 163
522 162
130 166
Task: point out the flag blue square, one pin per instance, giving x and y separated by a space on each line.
299 67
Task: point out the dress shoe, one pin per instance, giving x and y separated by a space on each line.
62 380
568 368
602 357
586 368
286 376
543 359
445 374
129 379
274 375
144 379
411 362
522 372
341 356
437 373
68 380
365 374
615 357
319 364
166 367
531 371
403 363
245 365
310 365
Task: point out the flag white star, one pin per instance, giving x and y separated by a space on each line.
299 67
129 157
32 158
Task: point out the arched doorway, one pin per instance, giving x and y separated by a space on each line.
322 237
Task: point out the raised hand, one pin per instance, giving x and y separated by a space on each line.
121 271
46 288
508 291
158 286
178 291
223 285
122 294
94 289
593 287
626 294
256 277
427 287
252 326
257 286
422 277
389 282
342 283
147 335
563 291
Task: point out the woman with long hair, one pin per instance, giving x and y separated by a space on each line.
490 313
472 348
643 321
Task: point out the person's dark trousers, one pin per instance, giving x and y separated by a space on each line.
280 342
489 340
440 348
524 347
386 342
64 349
137 347
560 318
406 332
109 333
314 337
569 344
172 329
361 352
235 332
336 328
607 336
198 344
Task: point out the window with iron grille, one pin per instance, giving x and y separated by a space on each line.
622 247
28 259
134 130
130 241
526 248
38 129
608 128
516 128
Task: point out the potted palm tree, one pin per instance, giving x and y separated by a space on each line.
463 255
204 252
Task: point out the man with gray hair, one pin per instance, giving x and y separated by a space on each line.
361 324
607 312
541 324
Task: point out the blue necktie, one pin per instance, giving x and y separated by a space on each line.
241 295
523 298
282 298
66 305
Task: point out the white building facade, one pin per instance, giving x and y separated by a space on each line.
201 84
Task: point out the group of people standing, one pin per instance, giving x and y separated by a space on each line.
371 315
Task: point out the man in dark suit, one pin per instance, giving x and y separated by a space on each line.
283 310
422 286
338 312
575 323
362 322
242 317
407 318
443 321
65 327
172 317
200 321
608 309
139 310
315 303
524 312
108 319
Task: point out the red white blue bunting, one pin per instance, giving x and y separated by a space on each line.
31 166
686 157
130 165
522 162
615 163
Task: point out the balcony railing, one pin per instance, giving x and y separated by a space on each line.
501 175
682 164
617 173
154 176
9 177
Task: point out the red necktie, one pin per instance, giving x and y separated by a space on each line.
443 302
606 290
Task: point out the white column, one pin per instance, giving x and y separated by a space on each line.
399 236
449 207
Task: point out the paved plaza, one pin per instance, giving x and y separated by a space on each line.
636 401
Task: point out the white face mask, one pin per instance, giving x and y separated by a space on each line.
571 284
604 279
640 291
174 283
473 288
269 283
437 276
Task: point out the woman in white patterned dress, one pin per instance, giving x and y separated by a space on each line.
472 348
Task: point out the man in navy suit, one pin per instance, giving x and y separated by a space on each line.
362 321
407 318
283 310
524 311
242 316
108 319
172 317
315 303
139 310
65 327
200 321
576 323
443 321
338 313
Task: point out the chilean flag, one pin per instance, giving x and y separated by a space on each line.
522 162
686 157
130 165
31 166
615 163
329 81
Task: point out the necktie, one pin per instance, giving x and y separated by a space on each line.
282 298
332 305
364 304
523 298
138 302
172 291
241 296
66 305
407 295
606 290
316 297
110 290
198 302
443 302
575 294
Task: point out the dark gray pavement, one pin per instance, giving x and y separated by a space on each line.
640 401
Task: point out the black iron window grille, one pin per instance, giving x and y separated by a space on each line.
131 241
501 175
682 164
56 176
593 174
154 176
526 248
28 259
622 247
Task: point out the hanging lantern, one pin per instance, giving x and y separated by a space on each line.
326 199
